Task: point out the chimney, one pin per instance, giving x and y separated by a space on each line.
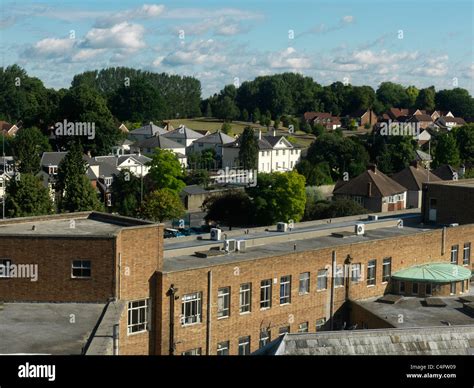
89 154
259 134
372 167
369 189
274 132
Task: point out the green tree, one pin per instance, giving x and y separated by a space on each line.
208 110
465 141
29 144
26 196
77 193
333 209
279 197
166 171
231 208
456 100
315 174
392 95
245 115
446 151
162 204
126 193
426 99
412 95
248 152
256 115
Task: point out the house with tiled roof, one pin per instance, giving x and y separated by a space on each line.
412 178
325 119
275 153
373 190
449 122
146 132
183 135
364 117
8 129
148 146
213 141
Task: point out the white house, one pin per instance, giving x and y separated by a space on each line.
213 141
183 135
276 154
148 146
146 132
135 163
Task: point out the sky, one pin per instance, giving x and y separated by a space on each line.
417 42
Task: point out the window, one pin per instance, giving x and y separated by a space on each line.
402 287
320 323
371 267
245 297
356 272
191 308
414 288
466 257
304 283
4 271
81 269
454 254
264 337
283 152
108 181
277 152
283 330
339 276
223 348
192 352
303 327
244 346
462 287
285 289
386 269
283 164
322 279
358 199
137 316
428 289
223 302
453 288
266 294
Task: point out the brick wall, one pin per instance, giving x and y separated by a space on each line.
54 257
405 251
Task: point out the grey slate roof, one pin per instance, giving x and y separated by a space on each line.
52 158
423 156
215 138
148 130
157 142
453 340
182 132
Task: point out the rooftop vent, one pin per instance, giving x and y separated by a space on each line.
209 253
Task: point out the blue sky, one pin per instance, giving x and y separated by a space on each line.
416 42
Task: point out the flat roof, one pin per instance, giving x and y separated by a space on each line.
412 312
270 249
47 328
457 183
434 273
86 224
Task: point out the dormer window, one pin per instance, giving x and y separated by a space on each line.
52 170
108 181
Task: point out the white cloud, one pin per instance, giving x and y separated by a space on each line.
201 52
86 54
122 35
51 47
146 11
288 59
348 19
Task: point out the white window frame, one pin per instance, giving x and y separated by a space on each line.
466 256
283 330
244 344
339 276
304 284
245 298
322 273
138 305
266 294
303 327
285 290
386 262
452 288
320 323
192 352
372 266
191 299
81 267
454 254
223 302
264 338
223 347
356 272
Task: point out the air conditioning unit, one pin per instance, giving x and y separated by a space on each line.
282 227
230 245
373 218
216 234
360 229
400 224
241 245
453 225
